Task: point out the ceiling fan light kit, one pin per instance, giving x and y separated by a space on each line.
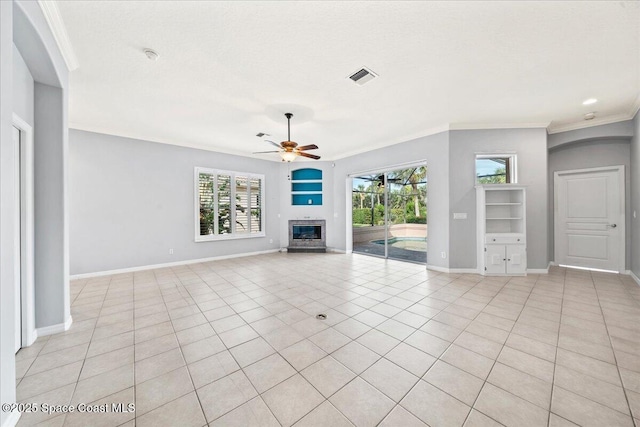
288 149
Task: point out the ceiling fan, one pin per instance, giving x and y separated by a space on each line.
288 149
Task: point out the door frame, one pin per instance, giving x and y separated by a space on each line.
619 169
24 234
349 201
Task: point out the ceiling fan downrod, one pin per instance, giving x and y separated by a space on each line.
288 116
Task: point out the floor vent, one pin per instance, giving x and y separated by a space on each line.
362 76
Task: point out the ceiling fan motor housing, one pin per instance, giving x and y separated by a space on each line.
288 145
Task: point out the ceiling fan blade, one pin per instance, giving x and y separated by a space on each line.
273 143
261 152
311 156
308 147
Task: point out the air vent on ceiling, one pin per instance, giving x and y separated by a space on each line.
362 76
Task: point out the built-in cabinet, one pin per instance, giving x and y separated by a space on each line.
502 239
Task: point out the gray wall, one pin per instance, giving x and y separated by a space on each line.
591 154
435 150
7 323
132 200
618 130
635 197
23 96
530 146
51 254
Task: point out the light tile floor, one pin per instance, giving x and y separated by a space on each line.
236 343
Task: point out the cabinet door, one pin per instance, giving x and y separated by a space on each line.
495 259
516 259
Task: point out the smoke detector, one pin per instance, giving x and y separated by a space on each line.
590 116
362 76
151 54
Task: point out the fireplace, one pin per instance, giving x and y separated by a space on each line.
307 235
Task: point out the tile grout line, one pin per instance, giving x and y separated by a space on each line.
624 389
486 380
555 360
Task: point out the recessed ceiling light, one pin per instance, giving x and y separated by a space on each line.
589 101
590 116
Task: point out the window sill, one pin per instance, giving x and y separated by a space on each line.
221 237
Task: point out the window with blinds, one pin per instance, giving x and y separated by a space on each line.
228 204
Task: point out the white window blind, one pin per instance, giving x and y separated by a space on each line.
228 204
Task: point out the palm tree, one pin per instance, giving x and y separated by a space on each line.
413 177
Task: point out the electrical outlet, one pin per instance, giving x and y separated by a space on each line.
171 251
270 240
443 254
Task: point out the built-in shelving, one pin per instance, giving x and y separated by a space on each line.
501 229
306 187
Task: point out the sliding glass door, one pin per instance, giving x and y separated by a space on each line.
390 214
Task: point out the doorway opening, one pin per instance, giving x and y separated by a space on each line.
389 214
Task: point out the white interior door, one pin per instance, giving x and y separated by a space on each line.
589 218
17 269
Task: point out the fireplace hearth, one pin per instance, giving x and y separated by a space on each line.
307 235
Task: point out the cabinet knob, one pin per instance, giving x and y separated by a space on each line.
494 240
503 259
518 240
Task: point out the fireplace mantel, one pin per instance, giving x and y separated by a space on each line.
307 235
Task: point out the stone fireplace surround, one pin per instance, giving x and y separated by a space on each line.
308 244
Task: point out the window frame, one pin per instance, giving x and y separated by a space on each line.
232 196
511 166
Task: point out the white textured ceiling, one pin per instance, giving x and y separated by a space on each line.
228 70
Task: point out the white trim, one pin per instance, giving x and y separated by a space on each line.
541 270
26 231
56 24
168 264
348 217
336 250
634 277
590 123
12 419
452 270
55 329
487 126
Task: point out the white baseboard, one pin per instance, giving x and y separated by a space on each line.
540 270
12 419
167 264
54 329
636 278
452 270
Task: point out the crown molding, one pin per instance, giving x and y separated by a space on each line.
635 107
481 126
591 123
56 24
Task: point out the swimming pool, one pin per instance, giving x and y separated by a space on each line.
408 243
